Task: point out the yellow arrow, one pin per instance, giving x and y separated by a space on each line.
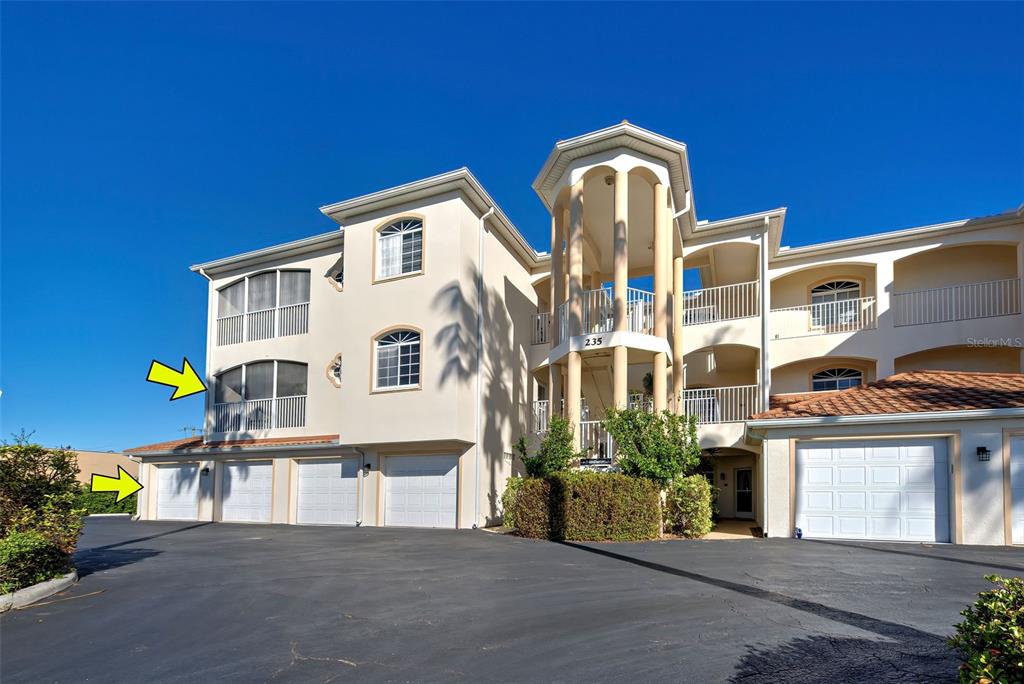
124 484
185 382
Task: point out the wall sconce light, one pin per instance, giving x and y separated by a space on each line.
205 471
366 467
984 454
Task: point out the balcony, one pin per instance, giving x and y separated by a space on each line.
957 302
713 405
599 312
541 333
723 303
826 318
280 321
260 414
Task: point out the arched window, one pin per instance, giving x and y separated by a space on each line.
398 360
836 379
833 302
400 248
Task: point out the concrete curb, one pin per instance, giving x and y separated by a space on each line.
109 515
37 592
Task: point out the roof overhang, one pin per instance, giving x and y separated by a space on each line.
757 428
772 221
294 248
623 135
460 180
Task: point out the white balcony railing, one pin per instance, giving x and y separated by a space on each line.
598 314
723 303
282 321
260 414
957 302
722 404
848 315
596 443
541 328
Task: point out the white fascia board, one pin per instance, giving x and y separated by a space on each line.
461 179
886 418
254 449
295 247
895 236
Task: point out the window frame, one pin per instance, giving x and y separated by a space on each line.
823 316
378 235
375 388
837 378
274 394
277 290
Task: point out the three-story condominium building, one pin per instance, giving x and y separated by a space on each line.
380 373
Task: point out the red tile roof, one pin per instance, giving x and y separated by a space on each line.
191 444
911 392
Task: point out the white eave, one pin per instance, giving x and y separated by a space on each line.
461 180
626 135
294 248
884 418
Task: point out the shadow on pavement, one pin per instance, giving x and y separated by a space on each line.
142 539
929 556
94 560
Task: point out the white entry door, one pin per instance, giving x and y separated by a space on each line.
246 491
177 493
327 492
421 491
1017 490
882 490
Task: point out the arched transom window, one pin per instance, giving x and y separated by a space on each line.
834 303
398 360
836 379
400 248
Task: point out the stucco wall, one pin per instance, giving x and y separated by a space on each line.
992 359
955 265
796 377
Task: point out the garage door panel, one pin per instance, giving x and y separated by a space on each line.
1017 490
901 492
177 496
327 492
247 491
421 491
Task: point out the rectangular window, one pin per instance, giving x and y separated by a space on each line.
390 256
412 252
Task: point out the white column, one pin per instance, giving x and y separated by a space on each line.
677 334
661 287
620 254
764 376
573 384
884 286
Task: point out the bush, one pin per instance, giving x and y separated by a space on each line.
991 637
689 505
508 501
29 473
104 502
27 558
584 506
556 452
657 446
57 520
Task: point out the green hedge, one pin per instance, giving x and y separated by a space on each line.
584 506
991 637
104 502
689 505
27 558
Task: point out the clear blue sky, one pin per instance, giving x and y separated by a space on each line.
138 139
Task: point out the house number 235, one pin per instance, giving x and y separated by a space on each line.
593 342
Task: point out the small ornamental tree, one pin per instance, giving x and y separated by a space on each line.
556 453
657 446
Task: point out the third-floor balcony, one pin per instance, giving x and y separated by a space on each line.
257 415
723 303
279 321
598 312
957 302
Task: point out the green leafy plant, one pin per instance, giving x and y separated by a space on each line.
689 506
657 446
991 637
508 500
556 452
57 519
585 506
27 558
29 473
104 502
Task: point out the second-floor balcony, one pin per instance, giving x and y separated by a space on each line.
257 415
824 318
598 312
281 321
957 302
722 303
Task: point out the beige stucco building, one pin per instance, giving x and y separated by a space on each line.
378 374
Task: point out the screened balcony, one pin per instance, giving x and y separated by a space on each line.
265 395
263 306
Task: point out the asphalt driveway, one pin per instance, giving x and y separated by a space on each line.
203 602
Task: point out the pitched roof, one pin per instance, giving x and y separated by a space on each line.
193 444
911 392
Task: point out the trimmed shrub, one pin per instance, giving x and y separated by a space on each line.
689 505
991 637
27 558
657 446
584 506
57 520
104 502
556 452
29 473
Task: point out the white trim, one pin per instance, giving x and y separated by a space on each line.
932 416
294 247
234 449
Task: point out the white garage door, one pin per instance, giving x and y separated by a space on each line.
1017 489
177 493
884 490
421 491
246 491
327 492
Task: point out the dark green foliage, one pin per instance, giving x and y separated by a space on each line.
27 558
657 446
104 502
556 453
29 473
689 504
586 506
991 637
